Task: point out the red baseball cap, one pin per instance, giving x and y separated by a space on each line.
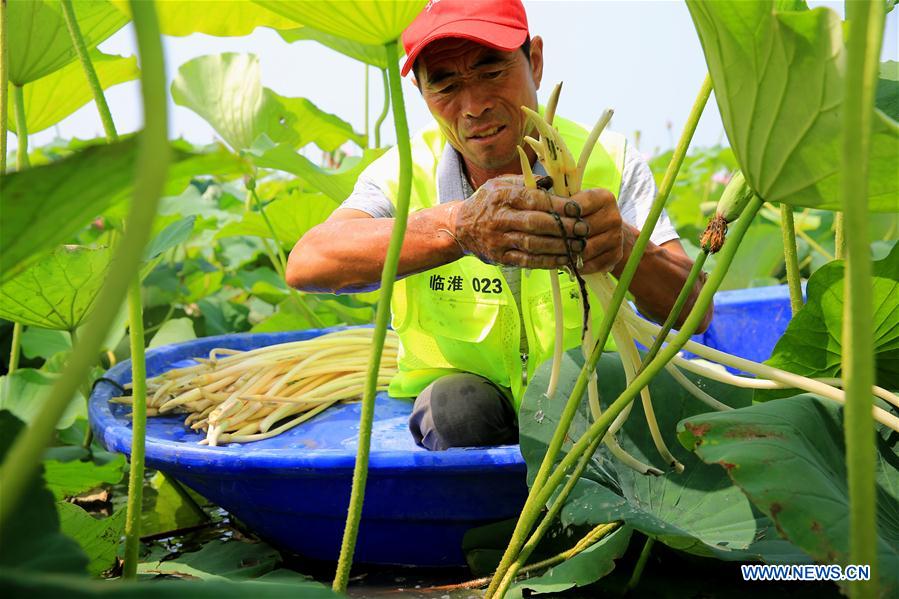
500 24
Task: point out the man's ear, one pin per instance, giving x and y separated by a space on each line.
537 60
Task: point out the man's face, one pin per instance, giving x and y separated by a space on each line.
475 93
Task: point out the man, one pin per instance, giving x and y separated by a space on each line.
473 304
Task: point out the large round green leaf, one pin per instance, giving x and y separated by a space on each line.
812 345
43 206
225 89
373 55
367 21
224 18
779 83
58 291
788 457
699 511
39 42
53 97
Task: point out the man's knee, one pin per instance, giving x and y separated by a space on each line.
462 410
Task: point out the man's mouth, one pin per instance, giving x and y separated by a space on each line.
487 133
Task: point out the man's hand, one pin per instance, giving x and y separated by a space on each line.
503 222
605 235
506 223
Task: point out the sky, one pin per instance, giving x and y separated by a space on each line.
641 58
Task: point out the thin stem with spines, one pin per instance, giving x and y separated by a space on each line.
135 327
677 308
4 85
388 277
791 257
18 96
25 453
384 110
866 23
93 81
365 103
21 164
138 430
641 564
532 505
839 236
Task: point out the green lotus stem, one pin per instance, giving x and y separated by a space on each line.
18 96
93 81
839 236
791 257
85 389
548 518
596 534
598 429
388 276
21 164
24 455
518 537
365 104
268 223
138 430
676 309
866 22
641 564
4 85
14 354
294 294
383 114
279 261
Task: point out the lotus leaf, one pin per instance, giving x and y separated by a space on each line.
225 90
58 291
373 55
52 98
39 41
779 83
224 18
788 457
812 345
375 22
699 511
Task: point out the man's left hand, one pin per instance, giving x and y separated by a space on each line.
605 235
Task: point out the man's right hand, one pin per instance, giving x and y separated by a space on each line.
503 222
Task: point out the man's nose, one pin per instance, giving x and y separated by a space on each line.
475 102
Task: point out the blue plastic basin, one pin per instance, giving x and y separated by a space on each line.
293 489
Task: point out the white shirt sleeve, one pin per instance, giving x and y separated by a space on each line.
638 189
369 198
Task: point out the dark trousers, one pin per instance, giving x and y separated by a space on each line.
462 410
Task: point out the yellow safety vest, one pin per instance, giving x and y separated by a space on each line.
462 317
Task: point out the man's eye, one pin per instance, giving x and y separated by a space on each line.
447 89
492 74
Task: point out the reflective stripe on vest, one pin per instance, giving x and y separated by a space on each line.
461 317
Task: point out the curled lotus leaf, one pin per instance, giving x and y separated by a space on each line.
376 22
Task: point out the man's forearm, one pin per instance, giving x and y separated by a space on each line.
659 279
347 254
